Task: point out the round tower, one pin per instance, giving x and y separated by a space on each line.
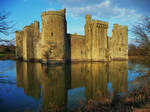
53 33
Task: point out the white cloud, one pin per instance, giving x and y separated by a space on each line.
107 10
103 9
98 8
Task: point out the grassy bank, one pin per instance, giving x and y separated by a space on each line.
7 56
7 52
139 57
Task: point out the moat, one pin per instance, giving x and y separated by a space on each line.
34 86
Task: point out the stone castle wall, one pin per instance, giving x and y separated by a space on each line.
53 35
19 44
54 44
96 39
77 47
27 42
119 42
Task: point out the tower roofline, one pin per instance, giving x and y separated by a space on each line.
99 21
61 12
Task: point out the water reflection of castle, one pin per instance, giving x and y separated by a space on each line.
57 80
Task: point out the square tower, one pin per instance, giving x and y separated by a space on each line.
96 39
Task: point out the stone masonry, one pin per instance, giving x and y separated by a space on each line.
53 44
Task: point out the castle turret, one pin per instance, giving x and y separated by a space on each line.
19 45
53 35
119 42
88 18
96 39
36 46
26 33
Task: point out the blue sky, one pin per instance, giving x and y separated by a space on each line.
123 12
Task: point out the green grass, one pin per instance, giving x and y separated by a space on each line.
7 54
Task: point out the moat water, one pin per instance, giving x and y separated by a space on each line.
32 86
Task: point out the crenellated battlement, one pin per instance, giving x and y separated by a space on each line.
59 13
99 22
95 23
98 25
120 27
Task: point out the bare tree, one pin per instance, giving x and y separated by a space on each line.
5 25
141 32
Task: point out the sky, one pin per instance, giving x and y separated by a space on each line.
122 12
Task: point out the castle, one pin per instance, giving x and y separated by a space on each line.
54 44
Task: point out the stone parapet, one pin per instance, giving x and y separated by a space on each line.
59 13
